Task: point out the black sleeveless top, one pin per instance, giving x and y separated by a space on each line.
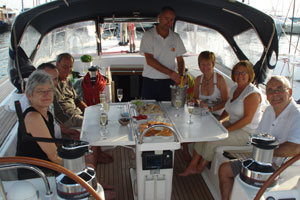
31 148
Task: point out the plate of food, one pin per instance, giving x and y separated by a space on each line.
149 108
156 134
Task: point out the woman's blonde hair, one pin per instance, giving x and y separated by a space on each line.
248 65
207 55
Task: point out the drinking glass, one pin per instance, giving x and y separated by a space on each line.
103 123
178 103
190 107
106 107
102 100
120 95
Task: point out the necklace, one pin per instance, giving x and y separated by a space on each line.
207 80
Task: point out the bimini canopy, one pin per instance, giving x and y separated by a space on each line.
228 17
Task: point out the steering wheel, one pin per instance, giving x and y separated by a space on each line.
53 166
275 174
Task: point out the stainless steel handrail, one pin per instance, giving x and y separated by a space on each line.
32 168
154 126
2 191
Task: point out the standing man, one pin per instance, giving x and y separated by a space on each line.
161 46
280 119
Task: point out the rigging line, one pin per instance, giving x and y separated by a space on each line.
287 12
293 64
289 41
66 2
297 44
291 35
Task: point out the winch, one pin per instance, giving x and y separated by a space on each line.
258 169
73 155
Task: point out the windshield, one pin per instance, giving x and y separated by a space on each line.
30 40
123 37
254 49
198 38
76 39
81 38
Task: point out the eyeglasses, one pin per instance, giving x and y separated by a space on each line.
277 91
44 92
240 73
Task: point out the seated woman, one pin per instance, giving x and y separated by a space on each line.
244 110
38 121
210 87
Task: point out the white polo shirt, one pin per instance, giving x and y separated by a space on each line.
164 50
286 127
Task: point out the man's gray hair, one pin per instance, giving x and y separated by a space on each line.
38 77
64 55
281 79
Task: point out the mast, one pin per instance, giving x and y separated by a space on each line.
22 5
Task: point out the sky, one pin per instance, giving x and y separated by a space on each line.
278 7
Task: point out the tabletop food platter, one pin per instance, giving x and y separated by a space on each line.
140 116
152 116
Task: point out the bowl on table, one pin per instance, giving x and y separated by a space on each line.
124 121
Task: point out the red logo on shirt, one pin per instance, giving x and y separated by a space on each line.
173 49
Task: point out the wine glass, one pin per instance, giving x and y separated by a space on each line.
190 107
120 95
178 103
103 123
106 106
102 100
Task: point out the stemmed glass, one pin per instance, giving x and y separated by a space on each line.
190 107
103 123
102 100
178 103
106 107
120 95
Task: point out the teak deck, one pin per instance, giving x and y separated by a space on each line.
118 174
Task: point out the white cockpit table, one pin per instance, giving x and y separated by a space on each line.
203 128
117 135
154 158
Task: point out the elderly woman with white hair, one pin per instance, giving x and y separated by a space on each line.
38 120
